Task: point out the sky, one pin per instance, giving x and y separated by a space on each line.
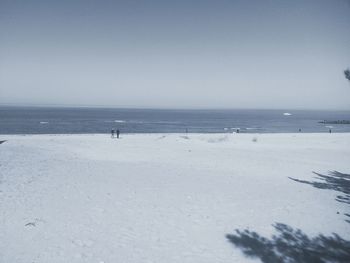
176 54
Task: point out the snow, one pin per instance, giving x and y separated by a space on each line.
161 197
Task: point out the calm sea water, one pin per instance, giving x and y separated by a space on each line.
39 120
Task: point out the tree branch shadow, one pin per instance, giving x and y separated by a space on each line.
335 180
292 246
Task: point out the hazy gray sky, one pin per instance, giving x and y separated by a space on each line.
176 54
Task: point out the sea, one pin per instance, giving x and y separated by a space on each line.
84 120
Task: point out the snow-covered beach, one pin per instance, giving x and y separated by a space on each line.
162 197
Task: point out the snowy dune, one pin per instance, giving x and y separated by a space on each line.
162 197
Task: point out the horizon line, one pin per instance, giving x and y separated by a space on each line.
19 105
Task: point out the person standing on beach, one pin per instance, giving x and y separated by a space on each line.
118 132
112 133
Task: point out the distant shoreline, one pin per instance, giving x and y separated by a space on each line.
108 135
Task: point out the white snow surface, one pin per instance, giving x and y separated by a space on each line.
161 197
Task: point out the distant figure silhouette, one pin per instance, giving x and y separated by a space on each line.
118 132
112 133
330 130
299 130
237 131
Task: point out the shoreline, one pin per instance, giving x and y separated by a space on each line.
172 133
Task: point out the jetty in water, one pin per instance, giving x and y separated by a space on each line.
336 122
